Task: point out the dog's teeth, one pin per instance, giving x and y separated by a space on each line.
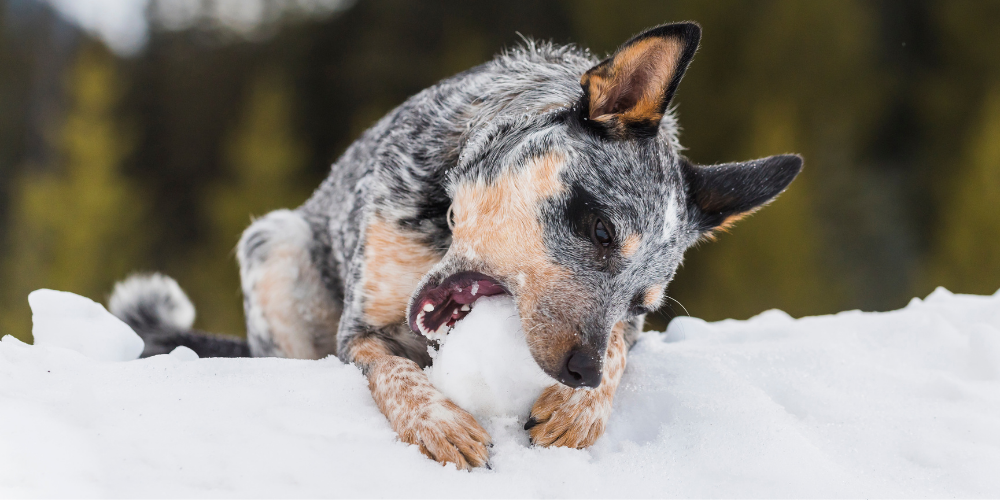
428 307
431 334
466 308
420 324
475 288
440 332
454 314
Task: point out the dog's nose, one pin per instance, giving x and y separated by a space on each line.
581 369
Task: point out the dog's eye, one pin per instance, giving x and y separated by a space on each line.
600 234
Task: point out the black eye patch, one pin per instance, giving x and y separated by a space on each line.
581 211
588 220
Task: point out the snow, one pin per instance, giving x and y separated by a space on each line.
184 353
67 320
484 365
898 404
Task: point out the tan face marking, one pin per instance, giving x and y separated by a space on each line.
498 225
575 418
395 261
630 245
418 412
646 67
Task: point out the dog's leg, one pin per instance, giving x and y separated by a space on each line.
290 311
375 336
417 411
575 418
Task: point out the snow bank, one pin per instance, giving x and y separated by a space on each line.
63 319
905 403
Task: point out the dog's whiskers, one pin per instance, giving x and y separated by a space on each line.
686 313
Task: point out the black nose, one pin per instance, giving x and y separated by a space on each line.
581 369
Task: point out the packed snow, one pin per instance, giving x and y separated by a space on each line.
67 320
897 404
484 365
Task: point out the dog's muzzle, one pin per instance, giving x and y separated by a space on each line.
582 368
437 308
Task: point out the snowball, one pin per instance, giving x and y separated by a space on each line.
484 364
184 353
67 320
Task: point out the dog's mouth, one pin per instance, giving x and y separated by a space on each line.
438 308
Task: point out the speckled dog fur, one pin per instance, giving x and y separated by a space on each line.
556 175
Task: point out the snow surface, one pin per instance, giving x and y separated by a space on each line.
898 404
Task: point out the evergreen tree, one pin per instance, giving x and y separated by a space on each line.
265 161
74 223
772 257
966 256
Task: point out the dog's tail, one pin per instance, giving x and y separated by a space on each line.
159 311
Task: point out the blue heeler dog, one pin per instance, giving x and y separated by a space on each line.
543 174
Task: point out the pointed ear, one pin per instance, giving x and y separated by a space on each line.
628 93
722 194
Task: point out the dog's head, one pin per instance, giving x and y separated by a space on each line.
583 214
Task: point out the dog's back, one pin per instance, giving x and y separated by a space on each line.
543 174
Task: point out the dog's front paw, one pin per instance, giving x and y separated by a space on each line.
448 434
574 418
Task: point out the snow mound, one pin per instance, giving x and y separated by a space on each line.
484 364
898 404
67 320
184 353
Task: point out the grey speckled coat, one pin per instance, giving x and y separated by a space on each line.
545 174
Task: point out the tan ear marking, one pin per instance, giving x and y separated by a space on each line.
628 93
633 83
726 225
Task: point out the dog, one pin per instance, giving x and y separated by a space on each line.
544 174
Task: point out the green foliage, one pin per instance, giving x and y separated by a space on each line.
895 106
966 257
757 88
264 160
75 222
761 265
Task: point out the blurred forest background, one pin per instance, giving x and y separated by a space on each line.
152 148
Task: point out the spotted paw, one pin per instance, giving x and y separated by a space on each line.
573 418
448 434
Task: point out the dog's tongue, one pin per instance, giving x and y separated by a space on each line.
467 293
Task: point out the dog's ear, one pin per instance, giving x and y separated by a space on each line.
719 195
628 93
